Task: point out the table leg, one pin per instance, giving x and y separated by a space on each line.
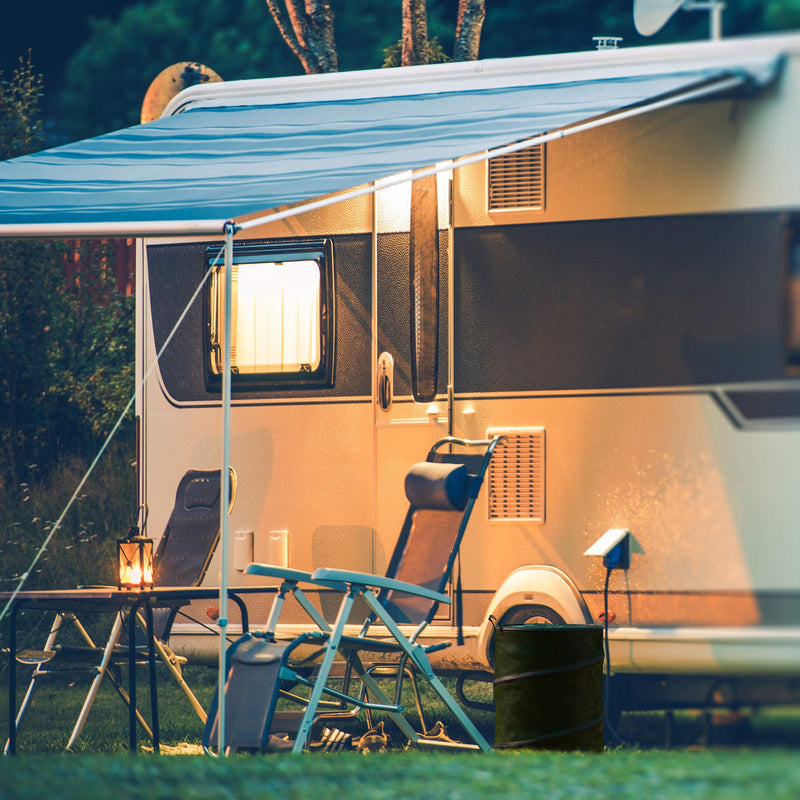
151 656
132 678
12 682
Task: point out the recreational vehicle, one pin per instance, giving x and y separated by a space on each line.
594 255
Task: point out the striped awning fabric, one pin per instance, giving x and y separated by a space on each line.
215 162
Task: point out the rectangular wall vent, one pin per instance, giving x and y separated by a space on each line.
516 478
516 180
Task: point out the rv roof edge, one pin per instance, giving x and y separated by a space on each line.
432 78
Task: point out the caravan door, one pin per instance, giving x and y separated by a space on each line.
410 330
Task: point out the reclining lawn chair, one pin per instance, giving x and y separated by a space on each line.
181 559
442 492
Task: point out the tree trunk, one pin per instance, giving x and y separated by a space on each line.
307 27
415 33
471 14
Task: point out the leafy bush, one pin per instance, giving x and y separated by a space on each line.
66 349
66 374
66 334
20 126
83 550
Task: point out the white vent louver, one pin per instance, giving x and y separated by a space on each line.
516 180
516 478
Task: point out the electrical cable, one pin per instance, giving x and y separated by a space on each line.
608 726
191 618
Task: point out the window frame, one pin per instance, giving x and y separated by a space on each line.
318 250
791 296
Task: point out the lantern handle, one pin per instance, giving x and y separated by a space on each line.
134 530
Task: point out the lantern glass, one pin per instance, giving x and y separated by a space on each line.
135 563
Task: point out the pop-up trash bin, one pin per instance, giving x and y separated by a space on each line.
548 687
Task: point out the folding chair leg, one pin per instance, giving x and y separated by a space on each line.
399 671
322 675
37 673
373 689
171 661
165 654
459 714
102 671
169 658
412 679
420 660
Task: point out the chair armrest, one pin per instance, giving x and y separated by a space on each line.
376 581
287 574
272 571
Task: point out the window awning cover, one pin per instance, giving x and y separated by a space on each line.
213 162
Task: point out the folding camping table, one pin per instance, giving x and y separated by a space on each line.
112 600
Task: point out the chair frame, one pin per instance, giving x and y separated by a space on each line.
372 589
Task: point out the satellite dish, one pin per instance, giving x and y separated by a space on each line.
170 82
649 16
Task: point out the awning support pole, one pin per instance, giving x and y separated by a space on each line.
225 482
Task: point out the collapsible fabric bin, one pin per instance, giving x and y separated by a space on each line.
548 687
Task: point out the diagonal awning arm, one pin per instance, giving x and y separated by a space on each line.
724 84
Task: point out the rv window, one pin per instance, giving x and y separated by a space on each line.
281 325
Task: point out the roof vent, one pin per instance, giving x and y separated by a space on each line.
516 180
516 479
607 42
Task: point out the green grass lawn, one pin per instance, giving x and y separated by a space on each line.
773 774
758 756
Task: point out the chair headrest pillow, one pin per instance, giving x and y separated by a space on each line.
440 486
201 493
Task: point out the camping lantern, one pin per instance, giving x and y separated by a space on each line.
135 562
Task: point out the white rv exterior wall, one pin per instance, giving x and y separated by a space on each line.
712 508
721 155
